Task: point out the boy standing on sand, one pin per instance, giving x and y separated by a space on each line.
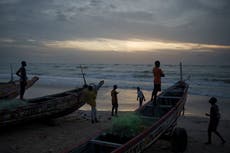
23 79
140 96
114 100
90 99
214 121
157 73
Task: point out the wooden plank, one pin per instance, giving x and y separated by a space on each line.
106 143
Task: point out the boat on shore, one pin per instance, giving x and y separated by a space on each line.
46 107
11 89
157 120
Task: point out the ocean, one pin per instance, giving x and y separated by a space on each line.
207 80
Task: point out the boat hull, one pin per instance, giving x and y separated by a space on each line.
163 118
47 107
11 90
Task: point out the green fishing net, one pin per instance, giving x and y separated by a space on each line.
128 125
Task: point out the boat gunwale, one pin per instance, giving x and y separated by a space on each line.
34 104
143 134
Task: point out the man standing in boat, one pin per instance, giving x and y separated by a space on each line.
157 74
114 100
23 78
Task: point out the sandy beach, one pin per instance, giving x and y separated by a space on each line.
65 132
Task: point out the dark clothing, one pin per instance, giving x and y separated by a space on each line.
157 87
114 97
22 74
114 101
214 118
23 80
114 109
213 123
22 88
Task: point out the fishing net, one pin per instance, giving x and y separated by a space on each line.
127 126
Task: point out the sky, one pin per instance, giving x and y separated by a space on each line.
115 31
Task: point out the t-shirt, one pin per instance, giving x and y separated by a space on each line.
158 73
114 97
140 94
214 112
90 97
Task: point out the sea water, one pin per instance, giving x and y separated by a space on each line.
207 80
204 80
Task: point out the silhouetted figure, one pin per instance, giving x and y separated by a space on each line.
214 121
23 78
114 100
140 96
157 73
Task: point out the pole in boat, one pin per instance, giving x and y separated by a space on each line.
11 73
181 79
83 75
181 73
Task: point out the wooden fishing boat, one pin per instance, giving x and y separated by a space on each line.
11 89
47 107
157 120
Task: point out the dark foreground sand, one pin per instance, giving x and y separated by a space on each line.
76 128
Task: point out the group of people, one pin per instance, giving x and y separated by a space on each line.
157 73
91 94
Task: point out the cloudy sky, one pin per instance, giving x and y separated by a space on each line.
113 31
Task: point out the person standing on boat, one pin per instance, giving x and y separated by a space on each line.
213 121
157 74
90 99
23 78
114 100
140 96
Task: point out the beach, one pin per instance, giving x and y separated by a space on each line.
65 132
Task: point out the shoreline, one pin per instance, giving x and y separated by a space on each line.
196 105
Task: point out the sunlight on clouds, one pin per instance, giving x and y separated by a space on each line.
130 45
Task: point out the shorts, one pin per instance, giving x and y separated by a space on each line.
157 87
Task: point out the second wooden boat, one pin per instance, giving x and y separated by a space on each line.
11 89
47 107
